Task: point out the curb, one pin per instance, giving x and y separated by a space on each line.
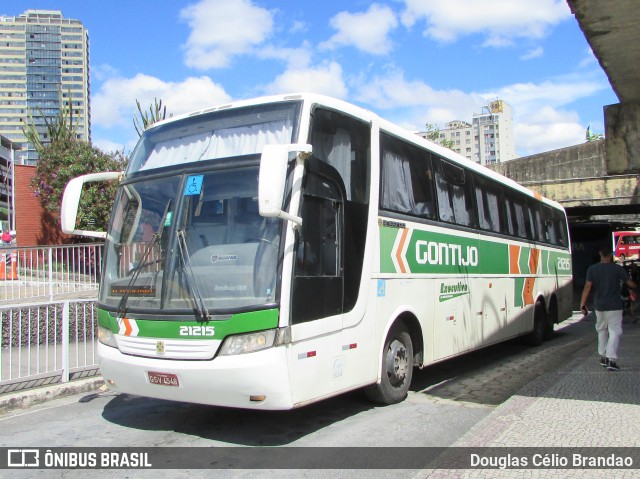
23 399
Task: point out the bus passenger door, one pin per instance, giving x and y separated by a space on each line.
317 285
318 282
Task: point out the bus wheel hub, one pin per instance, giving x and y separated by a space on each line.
397 362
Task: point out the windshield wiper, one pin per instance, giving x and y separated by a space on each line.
122 305
192 283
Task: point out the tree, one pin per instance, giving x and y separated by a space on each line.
155 114
433 134
67 157
589 136
64 160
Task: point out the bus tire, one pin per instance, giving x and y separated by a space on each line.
536 337
551 320
397 368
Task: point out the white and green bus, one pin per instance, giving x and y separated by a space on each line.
271 253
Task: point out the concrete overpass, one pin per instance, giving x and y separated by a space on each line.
598 181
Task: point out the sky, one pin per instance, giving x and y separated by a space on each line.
414 62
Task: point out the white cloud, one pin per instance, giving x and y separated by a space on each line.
550 130
298 27
499 21
109 146
533 53
294 57
528 98
222 29
368 31
542 117
325 79
115 103
393 91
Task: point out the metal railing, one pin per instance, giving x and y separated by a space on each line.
47 272
47 343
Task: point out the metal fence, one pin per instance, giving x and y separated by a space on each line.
47 272
46 343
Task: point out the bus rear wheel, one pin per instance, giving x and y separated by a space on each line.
397 368
540 320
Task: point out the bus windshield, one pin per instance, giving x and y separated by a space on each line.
186 234
187 242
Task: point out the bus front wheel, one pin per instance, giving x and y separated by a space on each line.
397 368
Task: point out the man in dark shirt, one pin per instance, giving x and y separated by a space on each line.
606 279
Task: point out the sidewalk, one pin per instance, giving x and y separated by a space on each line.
10 402
579 404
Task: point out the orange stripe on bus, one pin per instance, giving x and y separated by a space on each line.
527 293
514 256
534 259
127 327
403 238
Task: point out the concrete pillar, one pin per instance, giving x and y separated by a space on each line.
622 132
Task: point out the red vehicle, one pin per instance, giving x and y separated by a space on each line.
626 245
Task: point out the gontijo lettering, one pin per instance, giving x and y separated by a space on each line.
445 254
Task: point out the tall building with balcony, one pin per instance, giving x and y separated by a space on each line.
44 69
8 157
493 133
487 140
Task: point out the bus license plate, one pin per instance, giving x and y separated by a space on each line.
163 379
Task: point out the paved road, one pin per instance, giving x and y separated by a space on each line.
446 400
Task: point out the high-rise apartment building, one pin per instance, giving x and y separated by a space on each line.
44 67
487 140
7 164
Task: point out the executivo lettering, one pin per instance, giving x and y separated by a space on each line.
448 254
450 291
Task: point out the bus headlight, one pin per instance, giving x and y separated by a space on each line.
106 337
248 343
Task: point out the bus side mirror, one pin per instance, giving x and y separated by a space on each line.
273 176
71 199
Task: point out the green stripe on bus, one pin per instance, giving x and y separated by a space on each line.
387 239
518 299
439 253
236 324
524 260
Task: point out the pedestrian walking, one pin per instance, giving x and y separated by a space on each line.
606 279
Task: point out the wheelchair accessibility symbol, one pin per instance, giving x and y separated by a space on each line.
193 185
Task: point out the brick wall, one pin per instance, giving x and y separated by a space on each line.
34 225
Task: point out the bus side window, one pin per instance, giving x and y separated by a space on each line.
406 179
561 226
490 202
518 222
537 228
455 200
550 226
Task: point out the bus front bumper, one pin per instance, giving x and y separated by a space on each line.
256 380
